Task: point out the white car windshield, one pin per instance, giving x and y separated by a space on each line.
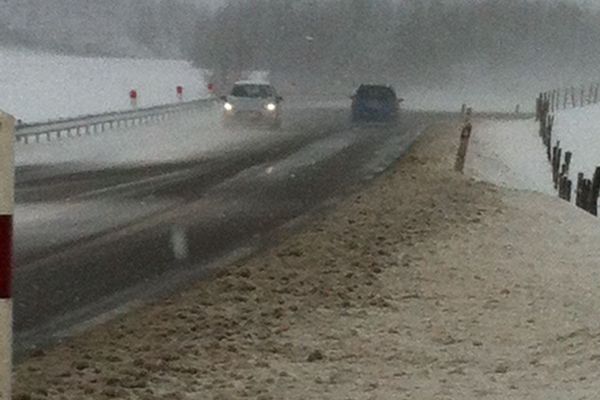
252 91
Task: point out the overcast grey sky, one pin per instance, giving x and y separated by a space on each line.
216 3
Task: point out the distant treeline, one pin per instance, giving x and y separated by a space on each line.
424 40
135 28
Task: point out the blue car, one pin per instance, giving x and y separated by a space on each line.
375 103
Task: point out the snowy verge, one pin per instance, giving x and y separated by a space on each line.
578 130
510 154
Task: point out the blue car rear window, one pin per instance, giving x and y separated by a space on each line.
376 92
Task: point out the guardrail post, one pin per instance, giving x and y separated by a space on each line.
7 135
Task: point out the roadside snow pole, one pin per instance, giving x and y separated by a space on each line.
180 93
211 89
7 124
133 97
465 135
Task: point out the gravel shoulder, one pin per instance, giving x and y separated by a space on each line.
425 285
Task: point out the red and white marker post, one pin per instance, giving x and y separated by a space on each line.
7 182
180 93
133 98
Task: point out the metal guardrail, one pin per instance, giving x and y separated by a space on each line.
72 127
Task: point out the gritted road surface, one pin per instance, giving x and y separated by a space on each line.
89 243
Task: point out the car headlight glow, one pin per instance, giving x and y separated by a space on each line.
271 107
228 106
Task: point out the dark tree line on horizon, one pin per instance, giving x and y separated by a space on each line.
423 41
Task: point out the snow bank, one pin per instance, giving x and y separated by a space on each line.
509 154
578 130
39 87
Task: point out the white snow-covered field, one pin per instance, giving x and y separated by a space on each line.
452 98
38 87
509 154
578 130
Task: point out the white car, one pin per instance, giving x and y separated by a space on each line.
252 102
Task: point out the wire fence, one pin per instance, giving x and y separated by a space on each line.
569 97
586 190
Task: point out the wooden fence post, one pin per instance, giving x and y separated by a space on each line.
561 188
548 144
573 100
549 127
568 157
542 125
582 97
557 167
555 161
578 190
587 187
594 192
564 191
596 93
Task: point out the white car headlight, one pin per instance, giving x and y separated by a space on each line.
228 106
271 107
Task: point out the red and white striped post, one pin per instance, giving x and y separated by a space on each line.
179 91
7 182
133 98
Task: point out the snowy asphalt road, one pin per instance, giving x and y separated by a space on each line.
90 243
